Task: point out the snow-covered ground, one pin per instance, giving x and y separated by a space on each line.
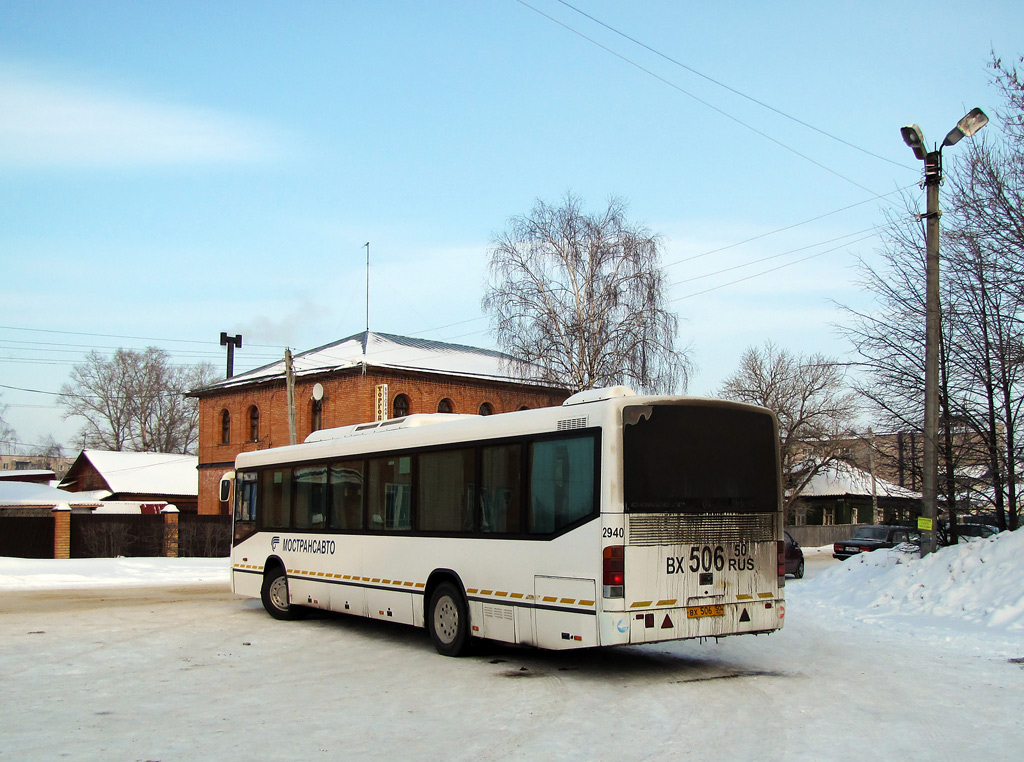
79 573
884 656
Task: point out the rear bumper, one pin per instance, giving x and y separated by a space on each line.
673 623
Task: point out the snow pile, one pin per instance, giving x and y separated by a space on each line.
57 574
966 586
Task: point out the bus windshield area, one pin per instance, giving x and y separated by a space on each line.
690 459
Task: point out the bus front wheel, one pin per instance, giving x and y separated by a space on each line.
448 620
275 595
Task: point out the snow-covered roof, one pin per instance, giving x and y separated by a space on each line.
145 473
25 474
840 478
29 493
383 350
94 494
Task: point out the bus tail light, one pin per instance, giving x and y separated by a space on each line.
782 562
614 571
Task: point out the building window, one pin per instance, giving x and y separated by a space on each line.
225 427
316 417
400 407
254 424
486 409
445 406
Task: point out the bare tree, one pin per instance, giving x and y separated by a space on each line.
50 451
582 297
981 394
135 401
8 436
816 411
985 249
890 342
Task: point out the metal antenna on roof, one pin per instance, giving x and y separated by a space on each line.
367 286
366 336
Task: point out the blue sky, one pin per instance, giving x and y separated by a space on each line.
172 170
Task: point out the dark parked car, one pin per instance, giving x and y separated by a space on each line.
872 538
966 532
794 557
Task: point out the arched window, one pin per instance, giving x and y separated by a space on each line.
400 407
225 427
254 424
486 409
445 406
316 416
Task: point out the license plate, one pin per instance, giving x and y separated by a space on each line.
695 612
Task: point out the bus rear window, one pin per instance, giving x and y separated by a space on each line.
683 459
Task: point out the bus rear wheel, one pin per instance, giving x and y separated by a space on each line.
448 620
275 595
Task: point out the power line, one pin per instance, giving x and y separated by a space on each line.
766 272
117 336
703 102
67 348
33 391
776 256
784 229
732 89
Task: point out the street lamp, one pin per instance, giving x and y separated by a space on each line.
973 121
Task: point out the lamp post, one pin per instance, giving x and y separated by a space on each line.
973 121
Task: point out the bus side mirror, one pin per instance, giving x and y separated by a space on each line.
225 489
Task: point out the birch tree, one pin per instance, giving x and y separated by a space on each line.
8 436
579 299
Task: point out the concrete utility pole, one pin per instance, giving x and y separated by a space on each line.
289 378
913 137
933 319
230 342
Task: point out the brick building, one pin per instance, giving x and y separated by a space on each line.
366 377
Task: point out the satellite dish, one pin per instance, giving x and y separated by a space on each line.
318 391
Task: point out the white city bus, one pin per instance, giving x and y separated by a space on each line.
612 519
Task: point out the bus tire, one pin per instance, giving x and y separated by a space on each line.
275 595
448 620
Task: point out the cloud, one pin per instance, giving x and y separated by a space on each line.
45 122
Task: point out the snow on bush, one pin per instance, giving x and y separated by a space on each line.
980 582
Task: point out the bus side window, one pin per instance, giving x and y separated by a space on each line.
389 493
346 495
446 491
276 492
310 497
561 483
501 493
